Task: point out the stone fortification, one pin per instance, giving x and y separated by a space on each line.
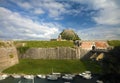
50 53
8 55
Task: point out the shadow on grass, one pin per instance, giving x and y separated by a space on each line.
109 66
92 66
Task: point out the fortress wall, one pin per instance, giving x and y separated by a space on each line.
51 53
83 52
8 57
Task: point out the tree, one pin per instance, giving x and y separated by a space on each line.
69 34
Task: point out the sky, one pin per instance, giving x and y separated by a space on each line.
46 19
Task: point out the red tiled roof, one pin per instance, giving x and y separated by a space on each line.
98 45
86 44
101 44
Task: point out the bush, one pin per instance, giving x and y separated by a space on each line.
11 55
22 50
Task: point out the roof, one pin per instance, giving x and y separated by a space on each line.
101 44
87 45
98 45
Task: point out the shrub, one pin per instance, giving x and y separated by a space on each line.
11 55
22 50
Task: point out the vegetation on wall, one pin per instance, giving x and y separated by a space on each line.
11 56
22 50
2 44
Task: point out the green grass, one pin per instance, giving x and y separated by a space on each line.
39 66
114 42
42 44
47 44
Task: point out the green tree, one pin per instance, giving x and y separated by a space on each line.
69 34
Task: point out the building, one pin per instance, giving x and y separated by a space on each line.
101 45
87 45
90 45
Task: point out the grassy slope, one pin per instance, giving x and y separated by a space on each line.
31 66
46 44
114 42
42 44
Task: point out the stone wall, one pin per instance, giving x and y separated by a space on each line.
54 53
51 53
8 57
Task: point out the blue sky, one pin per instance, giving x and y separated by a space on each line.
45 19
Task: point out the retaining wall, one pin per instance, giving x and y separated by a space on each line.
8 57
54 53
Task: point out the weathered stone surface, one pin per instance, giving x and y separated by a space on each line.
51 53
8 57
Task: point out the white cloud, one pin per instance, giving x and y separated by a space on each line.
15 26
39 11
100 33
109 13
53 8
18 26
108 17
25 5
109 10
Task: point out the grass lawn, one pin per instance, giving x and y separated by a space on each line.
114 42
42 44
46 44
38 66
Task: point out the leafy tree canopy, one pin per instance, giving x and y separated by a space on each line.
69 34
